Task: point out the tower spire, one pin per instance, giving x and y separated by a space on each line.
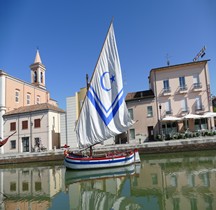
38 72
37 57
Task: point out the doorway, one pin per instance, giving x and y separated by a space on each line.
25 144
150 133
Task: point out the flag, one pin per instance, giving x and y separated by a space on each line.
104 113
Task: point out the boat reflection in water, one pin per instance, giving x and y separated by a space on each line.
101 189
160 182
163 182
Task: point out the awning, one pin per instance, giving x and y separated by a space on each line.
193 116
209 114
171 118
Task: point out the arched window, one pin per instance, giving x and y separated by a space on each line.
35 76
41 77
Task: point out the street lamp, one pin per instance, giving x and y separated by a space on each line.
160 126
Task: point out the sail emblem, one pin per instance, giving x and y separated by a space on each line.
110 101
112 79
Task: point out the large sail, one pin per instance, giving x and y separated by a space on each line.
104 113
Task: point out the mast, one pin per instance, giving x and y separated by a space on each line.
87 86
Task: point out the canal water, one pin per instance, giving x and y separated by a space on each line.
177 181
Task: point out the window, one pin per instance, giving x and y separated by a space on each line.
191 180
25 124
205 179
173 181
25 186
168 107
196 81
130 111
37 123
166 85
154 179
198 103
41 77
53 127
132 134
28 98
182 84
38 99
13 126
38 186
17 96
176 203
35 76
149 111
13 186
13 144
184 105
193 204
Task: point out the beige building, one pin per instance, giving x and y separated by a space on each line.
68 120
178 91
17 96
142 109
37 128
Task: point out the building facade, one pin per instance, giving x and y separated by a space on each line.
15 93
37 128
181 99
142 109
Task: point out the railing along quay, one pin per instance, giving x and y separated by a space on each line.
180 145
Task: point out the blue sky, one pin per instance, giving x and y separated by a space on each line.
70 35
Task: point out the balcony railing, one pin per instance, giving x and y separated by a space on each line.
167 90
184 110
199 107
183 88
168 111
197 85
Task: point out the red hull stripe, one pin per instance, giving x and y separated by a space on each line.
74 157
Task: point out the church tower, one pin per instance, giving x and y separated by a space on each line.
38 72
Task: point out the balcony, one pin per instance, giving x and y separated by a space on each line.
183 89
199 108
197 86
167 112
167 91
184 110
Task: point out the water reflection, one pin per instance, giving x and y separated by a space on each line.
29 187
163 182
102 189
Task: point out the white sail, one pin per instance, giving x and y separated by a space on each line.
104 113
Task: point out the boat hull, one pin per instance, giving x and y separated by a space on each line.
73 176
72 161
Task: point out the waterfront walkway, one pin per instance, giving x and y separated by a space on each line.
192 144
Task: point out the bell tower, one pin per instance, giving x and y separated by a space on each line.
38 72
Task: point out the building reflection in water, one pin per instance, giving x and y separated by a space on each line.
161 182
167 184
30 188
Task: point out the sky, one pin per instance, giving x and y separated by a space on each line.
70 33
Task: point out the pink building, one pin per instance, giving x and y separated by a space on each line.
180 103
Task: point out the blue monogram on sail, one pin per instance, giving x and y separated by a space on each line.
107 113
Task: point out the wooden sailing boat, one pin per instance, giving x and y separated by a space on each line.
103 114
3 142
